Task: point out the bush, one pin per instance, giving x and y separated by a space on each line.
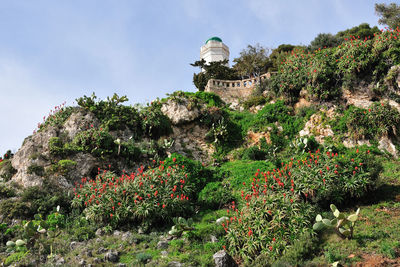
57 117
143 197
254 101
155 123
210 99
330 178
35 169
63 166
214 195
240 171
130 152
42 200
372 123
6 191
98 142
268 224
14 209
112 114
302 249
254 153
275 113
198 175
6 170
80 228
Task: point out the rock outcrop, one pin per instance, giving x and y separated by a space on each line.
180 110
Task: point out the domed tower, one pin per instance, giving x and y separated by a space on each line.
214 50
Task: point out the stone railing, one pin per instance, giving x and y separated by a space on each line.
230 90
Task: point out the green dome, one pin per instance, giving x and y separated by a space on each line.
215 38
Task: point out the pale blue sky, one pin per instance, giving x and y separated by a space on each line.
53 51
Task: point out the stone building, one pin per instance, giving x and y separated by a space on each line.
214 50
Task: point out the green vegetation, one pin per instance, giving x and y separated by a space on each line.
277 190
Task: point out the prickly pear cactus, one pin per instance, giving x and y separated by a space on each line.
344 226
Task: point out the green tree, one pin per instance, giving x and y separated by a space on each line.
390 14
212 70
324 40
280 53
252 62
361 31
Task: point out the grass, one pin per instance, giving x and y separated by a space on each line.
377 232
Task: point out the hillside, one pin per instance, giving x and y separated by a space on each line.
189 180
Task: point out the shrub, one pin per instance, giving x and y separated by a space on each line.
268 224
302 249
98 142
372 123
210 99
130 152
254 101
240 171
6 191
277 113
254 153
57 117
155 123
214 195
143 197
42 200
16 257
112 114
35 169
80 228
329 178
12 209
7 171
198 175
63 166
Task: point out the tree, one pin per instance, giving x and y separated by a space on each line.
213 70
390 14
252 62
280 53
361 31
324 40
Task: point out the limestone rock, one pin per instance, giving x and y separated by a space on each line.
35 144
111 256
79 121
162 245
174 264
221 220
179 111
314 127
223 259
386 144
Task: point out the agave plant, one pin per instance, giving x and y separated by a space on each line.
344 226
181 225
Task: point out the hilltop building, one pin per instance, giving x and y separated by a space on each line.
214 50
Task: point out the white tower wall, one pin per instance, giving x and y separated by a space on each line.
214 51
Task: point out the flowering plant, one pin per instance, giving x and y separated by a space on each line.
158 193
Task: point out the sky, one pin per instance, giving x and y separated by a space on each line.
57 51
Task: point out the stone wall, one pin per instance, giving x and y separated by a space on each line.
230 90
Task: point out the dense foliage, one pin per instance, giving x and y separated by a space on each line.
143 197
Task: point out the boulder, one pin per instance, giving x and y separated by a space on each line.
223 259
221 220
386 144
162 245
111 256
180 111
78 122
